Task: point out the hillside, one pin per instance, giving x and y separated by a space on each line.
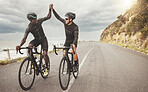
131 29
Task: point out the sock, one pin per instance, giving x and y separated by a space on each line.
76 62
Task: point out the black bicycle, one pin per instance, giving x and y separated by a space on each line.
32 66
66 67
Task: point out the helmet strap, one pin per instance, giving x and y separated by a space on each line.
69 22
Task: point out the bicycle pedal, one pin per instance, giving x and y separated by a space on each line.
71 70
76 68
45 72
37 72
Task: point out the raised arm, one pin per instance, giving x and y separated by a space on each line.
56 15
49 14
45 18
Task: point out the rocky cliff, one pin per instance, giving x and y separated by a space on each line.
130 29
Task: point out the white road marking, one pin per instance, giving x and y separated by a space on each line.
84 59
73 79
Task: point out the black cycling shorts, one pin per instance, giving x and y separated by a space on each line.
67 44
43 42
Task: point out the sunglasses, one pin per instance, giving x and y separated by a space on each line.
66 18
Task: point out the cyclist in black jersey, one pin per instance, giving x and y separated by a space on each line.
35 27
71 30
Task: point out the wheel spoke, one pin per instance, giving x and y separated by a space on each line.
64 75
26 74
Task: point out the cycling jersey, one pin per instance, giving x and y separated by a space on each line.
38 33
71 31
36 29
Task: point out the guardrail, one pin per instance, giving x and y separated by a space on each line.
10 56
8 52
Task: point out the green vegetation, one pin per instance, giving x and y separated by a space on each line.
144 31
131 29
4 62
130 46
20 59
7 61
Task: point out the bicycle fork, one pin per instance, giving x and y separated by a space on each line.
35 65
26 71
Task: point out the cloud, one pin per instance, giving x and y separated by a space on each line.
92 15
98 18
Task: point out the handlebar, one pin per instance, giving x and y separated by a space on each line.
35 49
62 48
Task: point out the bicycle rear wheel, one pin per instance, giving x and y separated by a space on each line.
64 73
45 71
26 74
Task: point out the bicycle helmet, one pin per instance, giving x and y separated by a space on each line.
31 16
70 15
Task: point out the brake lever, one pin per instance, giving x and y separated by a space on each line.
20 51
55 50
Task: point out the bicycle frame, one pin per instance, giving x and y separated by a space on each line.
66 54
70 60
32 58
30 67
70 67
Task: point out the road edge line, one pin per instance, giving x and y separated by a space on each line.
73 79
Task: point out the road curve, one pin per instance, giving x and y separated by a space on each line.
104 68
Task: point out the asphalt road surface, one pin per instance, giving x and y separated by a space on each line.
103 68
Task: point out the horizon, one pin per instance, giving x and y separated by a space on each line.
92 17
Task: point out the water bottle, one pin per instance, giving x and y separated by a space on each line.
38 62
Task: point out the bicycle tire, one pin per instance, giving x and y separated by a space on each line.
43 67
27 72
64 70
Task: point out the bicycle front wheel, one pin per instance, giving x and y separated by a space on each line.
64 73
26 74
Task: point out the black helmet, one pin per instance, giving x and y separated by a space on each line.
70 15
31 16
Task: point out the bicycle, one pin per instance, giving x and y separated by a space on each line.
30 66
66 67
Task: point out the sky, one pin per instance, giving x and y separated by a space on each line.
92 17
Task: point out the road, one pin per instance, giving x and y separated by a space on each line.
104 68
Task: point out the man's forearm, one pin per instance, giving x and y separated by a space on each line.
49 14
23 41
57 16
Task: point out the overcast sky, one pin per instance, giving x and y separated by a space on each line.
92 17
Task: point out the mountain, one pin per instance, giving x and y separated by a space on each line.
131 29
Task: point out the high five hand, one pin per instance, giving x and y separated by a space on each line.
51 6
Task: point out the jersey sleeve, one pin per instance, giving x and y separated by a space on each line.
58 17
76 33
26 32
41 20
